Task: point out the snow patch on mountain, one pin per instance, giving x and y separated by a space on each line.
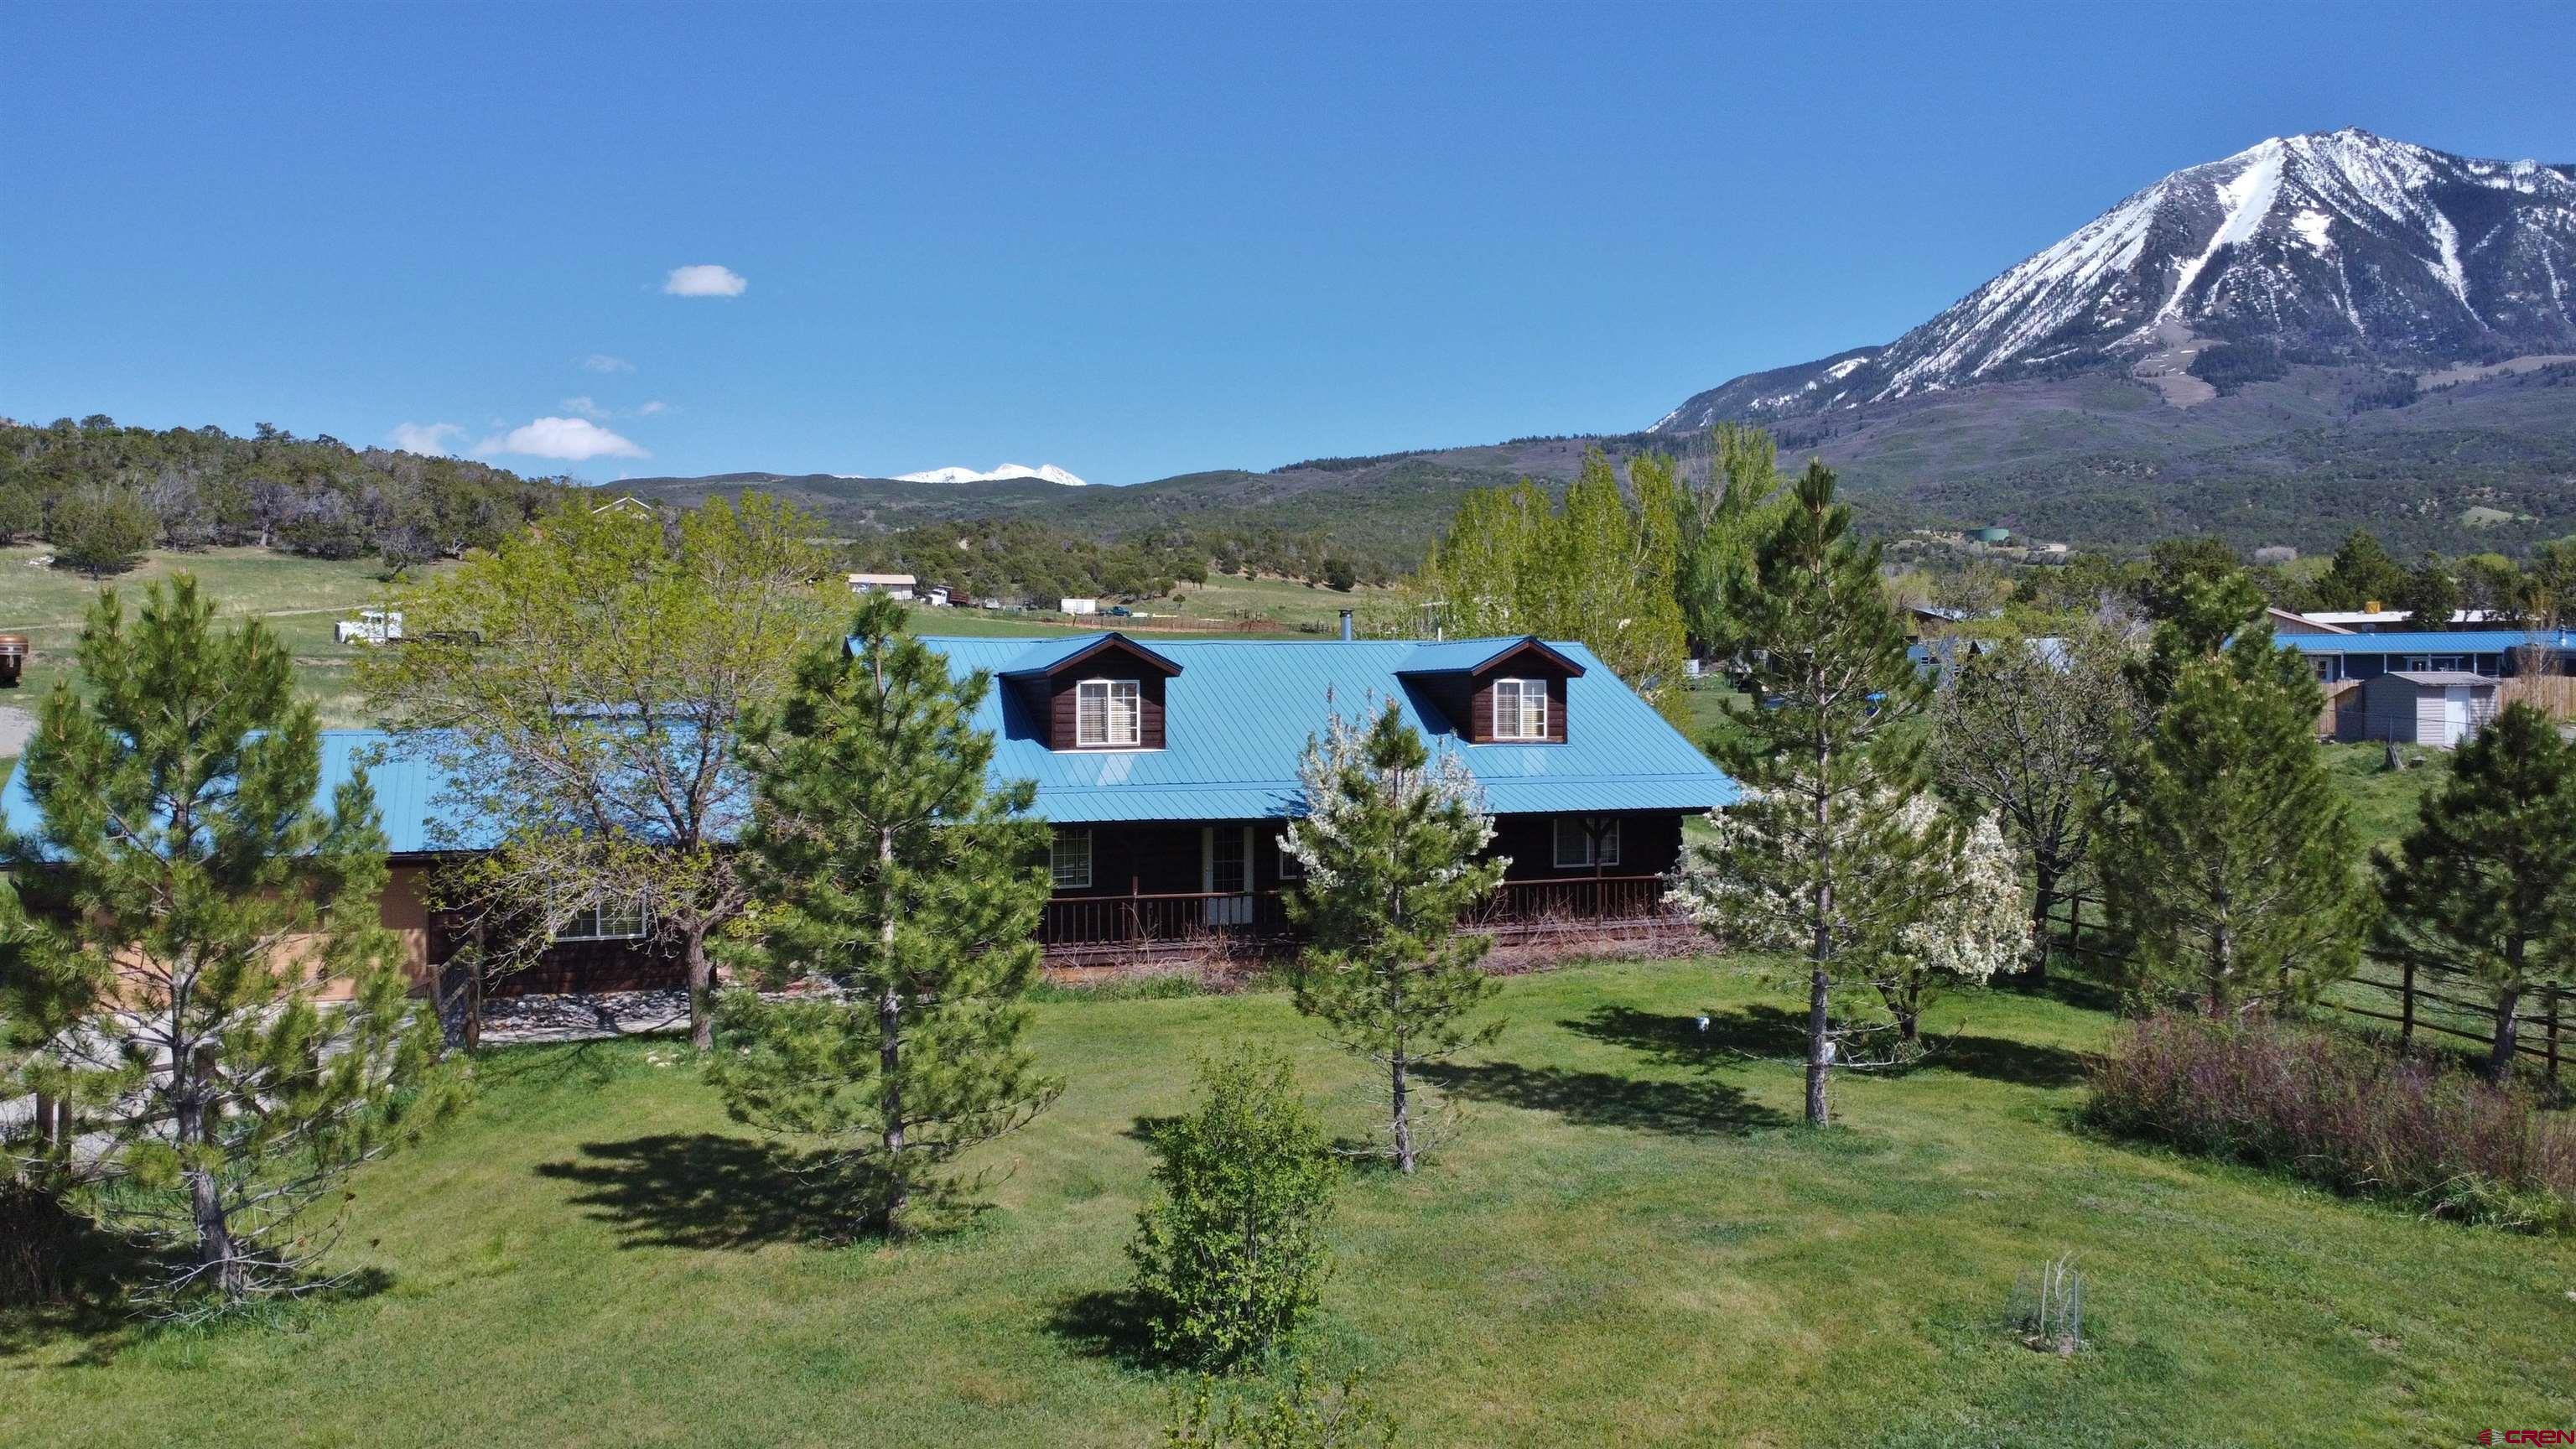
1044 473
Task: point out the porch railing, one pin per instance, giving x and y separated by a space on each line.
1195 915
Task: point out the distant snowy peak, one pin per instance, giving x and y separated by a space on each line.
2338 244
1045 473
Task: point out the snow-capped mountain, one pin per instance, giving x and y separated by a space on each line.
2333 247
1044 473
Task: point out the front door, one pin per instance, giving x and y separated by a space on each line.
1225 855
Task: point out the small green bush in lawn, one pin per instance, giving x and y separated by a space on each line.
1230 1256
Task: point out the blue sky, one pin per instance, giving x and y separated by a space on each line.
1131 240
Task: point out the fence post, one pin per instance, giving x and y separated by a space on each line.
2406 995
2553 1038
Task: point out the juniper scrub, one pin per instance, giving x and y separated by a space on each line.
1390 843
2486 881
186 906
885 868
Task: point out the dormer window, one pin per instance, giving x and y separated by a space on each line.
1108 714
1520 709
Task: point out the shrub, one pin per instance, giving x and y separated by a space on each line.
100 530
2343 1112
1229 1258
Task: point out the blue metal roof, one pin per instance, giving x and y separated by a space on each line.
2447 641
408 786
1466 656
1238 715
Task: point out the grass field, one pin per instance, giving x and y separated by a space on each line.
1626 1242
300 598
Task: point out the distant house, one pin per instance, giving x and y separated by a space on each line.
2438 707
893 586
2495 653
1078 607
2378 621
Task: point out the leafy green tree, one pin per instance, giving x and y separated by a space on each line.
101 531
2033 733
1390 844
583 685
1722 522
1830 761
186 905
2361 575
889 870
2486 881
1231 1254
2174 563
2231 858
2431 593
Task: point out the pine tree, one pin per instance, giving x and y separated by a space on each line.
2231 857
1390 844
1831 758
887 868
2486 881
2361 576
1722 523
187 903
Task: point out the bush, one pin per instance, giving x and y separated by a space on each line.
101 530
1300 1417
2343 1112
1230 1257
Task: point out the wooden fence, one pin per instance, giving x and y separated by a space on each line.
2392 989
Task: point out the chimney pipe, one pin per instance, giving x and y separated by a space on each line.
1346 626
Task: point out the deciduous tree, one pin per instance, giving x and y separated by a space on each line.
583 686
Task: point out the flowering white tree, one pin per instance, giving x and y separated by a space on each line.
1945 906
1391 842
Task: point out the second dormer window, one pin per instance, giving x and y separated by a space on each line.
1520 709
1107 714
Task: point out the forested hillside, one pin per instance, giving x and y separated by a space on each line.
93 483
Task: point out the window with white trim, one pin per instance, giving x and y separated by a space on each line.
1582 843
1290 867
1108 714
605 921
1069 860
1520 709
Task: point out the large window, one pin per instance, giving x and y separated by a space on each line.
1071 860
1107 713
1290 867
606 921
1582 843
1520 709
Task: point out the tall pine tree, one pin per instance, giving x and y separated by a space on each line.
1390 844
887 869
1830 761
2230 857
2486 881
187 911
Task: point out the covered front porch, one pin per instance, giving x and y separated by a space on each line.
1165 890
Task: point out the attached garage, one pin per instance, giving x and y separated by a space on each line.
2437 707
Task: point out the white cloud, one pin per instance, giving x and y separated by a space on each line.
650 408
583 407
705 280
572 440
602 362
427 439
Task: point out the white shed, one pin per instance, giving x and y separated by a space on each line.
895 586
2438 707
1080 606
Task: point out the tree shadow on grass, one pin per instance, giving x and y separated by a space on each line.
2002 1059
1609 1098
1112 1324
702 1190
1747 1031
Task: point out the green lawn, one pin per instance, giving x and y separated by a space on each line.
1626 1242
300 598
